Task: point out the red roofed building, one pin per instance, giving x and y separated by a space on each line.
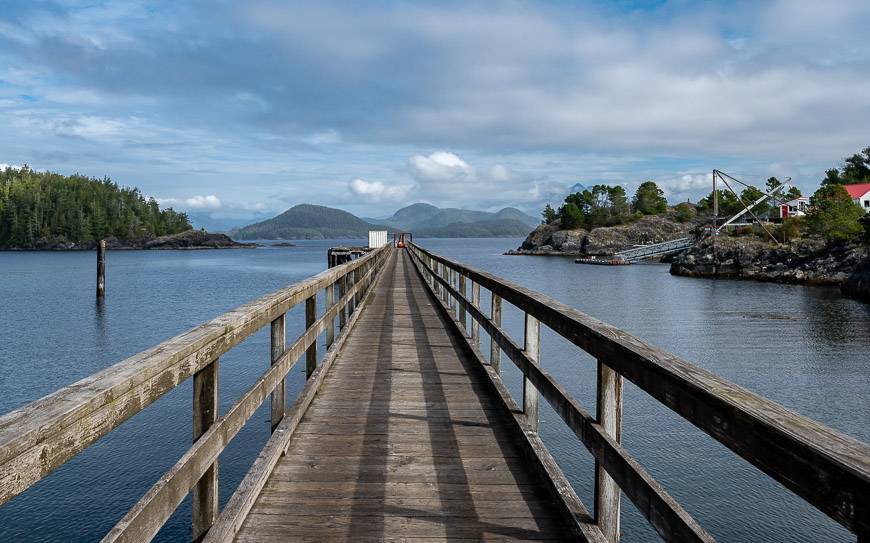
860 194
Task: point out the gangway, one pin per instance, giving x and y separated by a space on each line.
655 249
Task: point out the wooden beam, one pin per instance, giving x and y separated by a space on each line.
310 317
204 499
828 469
330 301
342 314
532 349
278 343
101 269
495 316
475 327
463 323
609 418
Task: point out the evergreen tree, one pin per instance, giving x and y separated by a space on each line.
833 214
649 199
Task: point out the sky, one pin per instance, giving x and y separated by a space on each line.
240 109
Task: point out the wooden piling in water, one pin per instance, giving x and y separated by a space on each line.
101 269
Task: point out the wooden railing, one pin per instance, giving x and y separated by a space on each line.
827 469
41 436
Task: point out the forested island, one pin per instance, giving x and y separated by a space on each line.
45 210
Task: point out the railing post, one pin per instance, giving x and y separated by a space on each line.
311 352
532 349
475 326
342 311
278 346
495 317
609 415
461 308
204 498
330 301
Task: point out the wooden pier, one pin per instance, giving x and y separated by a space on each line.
404 430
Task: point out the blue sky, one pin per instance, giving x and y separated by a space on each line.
242 109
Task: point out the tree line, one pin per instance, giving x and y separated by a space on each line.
56 208
832 215
605 205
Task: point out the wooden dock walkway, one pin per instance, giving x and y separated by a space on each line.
404 430
403 441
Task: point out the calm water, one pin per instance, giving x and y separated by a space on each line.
803 347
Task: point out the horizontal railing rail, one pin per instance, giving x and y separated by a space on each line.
828 469
41 436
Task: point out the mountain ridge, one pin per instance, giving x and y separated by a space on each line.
309 221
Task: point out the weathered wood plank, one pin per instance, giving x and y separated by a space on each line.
278 344
310 318
828 469
37 438
246 493
204 499
378 433
532 348
609 418
143 521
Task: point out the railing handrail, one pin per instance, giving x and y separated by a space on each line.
38 437
826 468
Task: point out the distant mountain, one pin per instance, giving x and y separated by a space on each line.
497 228
425 217
306 221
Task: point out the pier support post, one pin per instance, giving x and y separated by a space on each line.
495 317
101 269
609 416
342 312
475 326
204 498
532 349
330 301
278 345
461 308
311 352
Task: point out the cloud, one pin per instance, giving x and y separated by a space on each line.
439 166
209 201
376 191
294 99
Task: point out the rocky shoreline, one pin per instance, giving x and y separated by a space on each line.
188 240
551 240
805 261
808 262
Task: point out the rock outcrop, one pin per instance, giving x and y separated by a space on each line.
857 285
550 239
803 261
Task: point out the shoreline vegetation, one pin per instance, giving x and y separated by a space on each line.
45 211
830 245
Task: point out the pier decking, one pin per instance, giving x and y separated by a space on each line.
404 430
403 440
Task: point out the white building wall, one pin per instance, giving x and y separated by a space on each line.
377 238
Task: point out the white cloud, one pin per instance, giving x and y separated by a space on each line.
377 191
209 201
439 166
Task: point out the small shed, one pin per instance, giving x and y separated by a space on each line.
377 238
